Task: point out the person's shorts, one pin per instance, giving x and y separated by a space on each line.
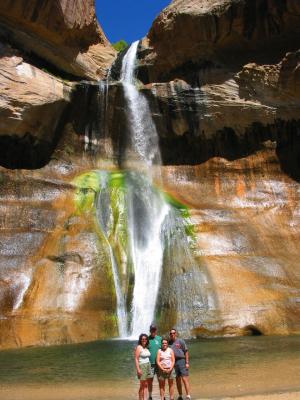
146 371
154 370
180 367
165 375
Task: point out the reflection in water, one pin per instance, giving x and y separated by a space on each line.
105 370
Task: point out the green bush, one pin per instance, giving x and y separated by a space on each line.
120 45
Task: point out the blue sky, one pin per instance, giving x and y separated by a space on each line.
127 19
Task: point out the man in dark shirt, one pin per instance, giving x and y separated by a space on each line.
181 363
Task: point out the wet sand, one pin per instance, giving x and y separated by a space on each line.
274 396
281 377
78 392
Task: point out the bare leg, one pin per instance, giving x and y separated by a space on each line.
171 388
186 384
150 386
162 388
178 384
142 389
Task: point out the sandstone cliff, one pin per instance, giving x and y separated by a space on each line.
64 34
32 107
224 77
45 45
191 35
222 80
42 43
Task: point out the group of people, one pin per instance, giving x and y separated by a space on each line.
168 358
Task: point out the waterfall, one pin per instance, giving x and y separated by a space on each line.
135 218
121 306
146 207
105 217
143 140
147 211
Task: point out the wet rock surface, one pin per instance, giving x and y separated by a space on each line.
246 218
56 286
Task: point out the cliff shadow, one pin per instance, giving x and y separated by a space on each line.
33 149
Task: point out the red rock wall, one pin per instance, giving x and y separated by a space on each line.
63 33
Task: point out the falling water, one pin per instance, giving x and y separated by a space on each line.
121 306
150 219
146 215
146 207
105 219
143 141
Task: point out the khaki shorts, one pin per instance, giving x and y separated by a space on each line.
146 371
154 370
166 375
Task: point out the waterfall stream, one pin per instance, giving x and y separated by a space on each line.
147 211
143 140
107 224
130 206
146 208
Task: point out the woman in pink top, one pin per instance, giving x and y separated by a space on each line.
165 361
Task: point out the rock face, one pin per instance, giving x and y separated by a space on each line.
39 43
225 97
55 282
222 80
63 34
230 118
246 218
191 35
32 106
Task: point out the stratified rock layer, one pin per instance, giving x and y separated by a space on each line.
32 107
223 87
65 34
191 35
242 276
246 218
55 282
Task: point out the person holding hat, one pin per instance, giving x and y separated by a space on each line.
154 346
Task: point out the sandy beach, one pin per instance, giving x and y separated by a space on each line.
273 396
77 392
